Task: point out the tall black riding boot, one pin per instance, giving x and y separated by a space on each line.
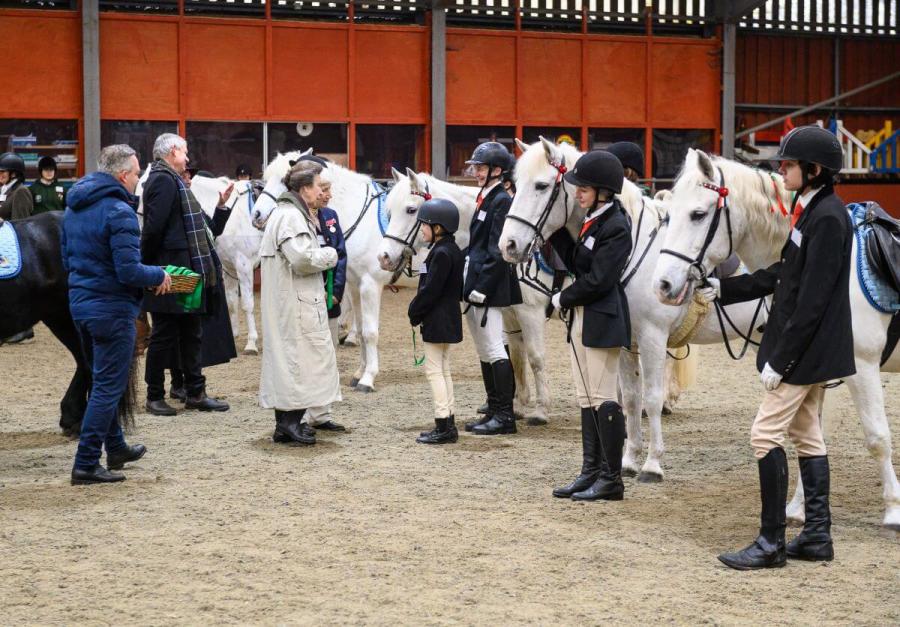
814 542
444 432
590 457
768 550
487 375
503 421
608 486
289 430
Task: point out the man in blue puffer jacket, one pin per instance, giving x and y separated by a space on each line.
101 252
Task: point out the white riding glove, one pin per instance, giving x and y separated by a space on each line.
770 379
712 291
476 297
554 300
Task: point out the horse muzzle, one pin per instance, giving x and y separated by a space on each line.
669 293
512 251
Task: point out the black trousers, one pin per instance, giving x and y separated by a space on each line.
174 332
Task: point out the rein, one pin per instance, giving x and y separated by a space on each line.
723 317
370 198
538 226
637 234
721 207
408 241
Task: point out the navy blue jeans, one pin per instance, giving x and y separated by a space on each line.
108 345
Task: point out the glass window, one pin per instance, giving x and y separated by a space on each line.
379 147
462 140
600 138
33 139
236 8
137 134
670 147
220 147
328 140
556 134
143 6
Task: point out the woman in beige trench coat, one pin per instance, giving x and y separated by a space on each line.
299 366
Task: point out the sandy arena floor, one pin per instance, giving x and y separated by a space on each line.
218 525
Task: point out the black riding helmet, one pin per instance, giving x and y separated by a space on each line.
13 163
630 154
491 154
46 163
510 166
599 169
439 211
812 144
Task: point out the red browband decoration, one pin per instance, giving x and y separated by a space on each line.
721 191
424 195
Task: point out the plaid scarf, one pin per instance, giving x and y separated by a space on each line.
199 243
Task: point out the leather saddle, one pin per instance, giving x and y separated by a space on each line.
883 244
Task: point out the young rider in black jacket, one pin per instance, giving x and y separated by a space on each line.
436 308
808 341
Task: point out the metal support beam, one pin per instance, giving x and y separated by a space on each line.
90 37
438 90
729 43
820 104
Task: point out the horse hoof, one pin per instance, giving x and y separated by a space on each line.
365 389
251 351
536 421
629 472
354 382
650 477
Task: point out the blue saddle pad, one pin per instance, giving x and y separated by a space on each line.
10 254
877 291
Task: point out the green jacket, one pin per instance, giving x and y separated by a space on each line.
50 197
16 204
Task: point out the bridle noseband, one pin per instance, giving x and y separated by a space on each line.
409 239
721 207
538 226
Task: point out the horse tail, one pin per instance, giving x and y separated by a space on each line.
129 399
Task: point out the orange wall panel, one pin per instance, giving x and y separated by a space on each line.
686 80
42 66
885 194
392 74
615 92
138 69
225 71
550 80
294 93
468 72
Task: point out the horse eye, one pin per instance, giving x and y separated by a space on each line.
697 216
411 209
541 186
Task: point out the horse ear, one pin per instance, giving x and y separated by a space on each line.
705 164
551 150
522 146
307 152
397 176
414 183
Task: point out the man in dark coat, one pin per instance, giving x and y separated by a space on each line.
489 284
174 233
101 253
807 342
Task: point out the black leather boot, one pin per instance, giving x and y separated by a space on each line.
160 408
97 474
289 430
768 550
503 421
444 432
202 402
487 376
814 542
178 393
118 459
608 486
590 457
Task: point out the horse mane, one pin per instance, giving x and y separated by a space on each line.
752 191
280 165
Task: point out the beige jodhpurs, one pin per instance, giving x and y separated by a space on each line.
791 409
595 370
437 371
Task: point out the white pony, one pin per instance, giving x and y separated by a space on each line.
757 231
359 203
642 369
523 324
237 246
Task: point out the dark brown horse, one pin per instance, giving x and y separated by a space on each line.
40 294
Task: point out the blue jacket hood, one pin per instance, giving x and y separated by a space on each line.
89 189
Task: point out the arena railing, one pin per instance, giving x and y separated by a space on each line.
876 18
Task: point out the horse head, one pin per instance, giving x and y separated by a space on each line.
274 185
402 239
541 205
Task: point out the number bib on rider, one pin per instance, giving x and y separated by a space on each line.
589 242
482 215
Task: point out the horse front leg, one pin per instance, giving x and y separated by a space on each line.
74 402
868 396
653 367
370 311
232 297
248 304
512 337
630 382
532 320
